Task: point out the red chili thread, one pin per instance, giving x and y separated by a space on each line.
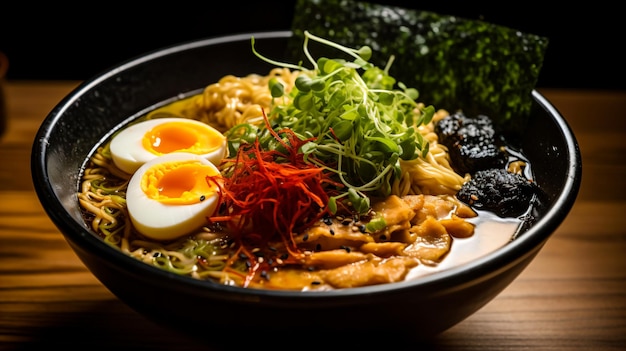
262 199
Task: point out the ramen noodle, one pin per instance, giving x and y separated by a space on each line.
424 222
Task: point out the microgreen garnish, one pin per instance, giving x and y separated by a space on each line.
361 125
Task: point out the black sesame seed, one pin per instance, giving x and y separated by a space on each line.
305 237
347 248
202 197
265 275
248 264
362 228
316 282
284 256
383 237
318 247
332 232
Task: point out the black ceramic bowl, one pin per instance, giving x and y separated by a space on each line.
424 306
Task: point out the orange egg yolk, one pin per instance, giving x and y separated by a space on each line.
184 137
178 182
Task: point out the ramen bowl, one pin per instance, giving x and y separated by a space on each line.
422 307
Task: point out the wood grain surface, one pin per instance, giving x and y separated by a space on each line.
571 297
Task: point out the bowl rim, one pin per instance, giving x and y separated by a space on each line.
481 268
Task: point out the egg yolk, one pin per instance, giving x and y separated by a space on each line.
179 136
178 182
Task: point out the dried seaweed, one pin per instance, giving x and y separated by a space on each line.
455 63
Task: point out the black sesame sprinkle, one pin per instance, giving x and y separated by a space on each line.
344 247
332 232
202 198
305 237
316 282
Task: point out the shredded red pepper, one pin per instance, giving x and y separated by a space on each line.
262 199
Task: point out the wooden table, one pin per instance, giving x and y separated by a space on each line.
571 297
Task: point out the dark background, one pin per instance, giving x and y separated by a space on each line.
53 41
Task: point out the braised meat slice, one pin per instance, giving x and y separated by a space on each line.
503 193
472 142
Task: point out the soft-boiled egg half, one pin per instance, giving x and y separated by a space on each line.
146 140
169 196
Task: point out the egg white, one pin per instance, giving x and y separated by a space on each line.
129 153
162 221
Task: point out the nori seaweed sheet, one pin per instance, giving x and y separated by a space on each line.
454 63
